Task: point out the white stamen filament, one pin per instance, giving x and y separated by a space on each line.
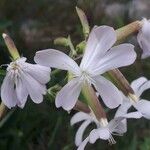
111 140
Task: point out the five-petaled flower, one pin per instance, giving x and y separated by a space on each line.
99 57
23 79
141 105
104 129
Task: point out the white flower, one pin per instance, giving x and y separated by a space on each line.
98 58
87 120
143 38
141 105
104 131
23 79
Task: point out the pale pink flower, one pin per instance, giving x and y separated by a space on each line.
105 130
23 79
99 57
141 105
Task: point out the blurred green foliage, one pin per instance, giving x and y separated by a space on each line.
34 25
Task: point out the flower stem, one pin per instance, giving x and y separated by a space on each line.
2 110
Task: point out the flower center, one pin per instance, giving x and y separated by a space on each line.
104 124
85 77
14 68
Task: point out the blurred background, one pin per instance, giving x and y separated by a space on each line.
34 25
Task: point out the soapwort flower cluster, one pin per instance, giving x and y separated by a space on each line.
101 55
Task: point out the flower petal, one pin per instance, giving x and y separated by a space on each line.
144 44
80 131
102 133
21 92
121 111
83 144
79 116
143 38
8 94
69 94
93 136
116 126
143 106
113 59
108 91
135 115
34 88
38 72
56 59
100 40
140 85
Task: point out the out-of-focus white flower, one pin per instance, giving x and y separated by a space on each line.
115 10
23 79
143 38
104 131
87 120
141 105
138 8
98 58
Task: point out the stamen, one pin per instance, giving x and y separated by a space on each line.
85 77
111 140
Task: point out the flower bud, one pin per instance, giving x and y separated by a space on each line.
11 46
84 22
61 41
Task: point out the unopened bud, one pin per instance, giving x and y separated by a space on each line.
93 102
62 41
11 46
121 81
84 22
126 31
